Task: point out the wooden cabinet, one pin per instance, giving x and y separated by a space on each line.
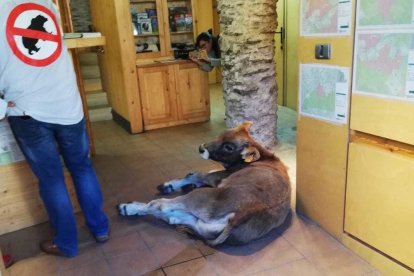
173 94
146 87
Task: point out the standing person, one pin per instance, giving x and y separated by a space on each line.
42 103
209 43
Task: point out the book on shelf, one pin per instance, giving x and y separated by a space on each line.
142 15
145 24
151 12
189 22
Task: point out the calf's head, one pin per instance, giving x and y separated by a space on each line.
233 147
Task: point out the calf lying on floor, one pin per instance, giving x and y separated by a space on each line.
246 200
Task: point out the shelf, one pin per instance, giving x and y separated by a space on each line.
72 43
181 32
146 35
141 2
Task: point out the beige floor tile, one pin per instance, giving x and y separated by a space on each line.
175 251
157 272
87 255
197 267
134 262
300 267
309 239
204 249
272 253
226 264
96 267
41 265
158 233
340 262
121 245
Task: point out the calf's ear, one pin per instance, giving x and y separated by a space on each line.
246 126
250 154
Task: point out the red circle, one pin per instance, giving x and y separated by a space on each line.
10 35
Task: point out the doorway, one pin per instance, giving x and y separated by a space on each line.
285 52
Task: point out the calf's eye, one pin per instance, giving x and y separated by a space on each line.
228 147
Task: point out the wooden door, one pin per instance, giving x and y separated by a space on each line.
157 89
280 53
192 92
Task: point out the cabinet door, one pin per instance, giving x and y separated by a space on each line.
379 200
157 88
192 92
181 29
148 28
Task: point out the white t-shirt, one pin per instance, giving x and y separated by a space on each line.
36 71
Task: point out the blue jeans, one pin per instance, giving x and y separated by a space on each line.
41 144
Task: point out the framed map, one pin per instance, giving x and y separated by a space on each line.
325 17
323 92
385 12
384 49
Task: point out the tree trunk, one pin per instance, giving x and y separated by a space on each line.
249 78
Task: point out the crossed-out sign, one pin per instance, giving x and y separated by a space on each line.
33 34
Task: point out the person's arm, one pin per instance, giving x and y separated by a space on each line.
3 109
203 65
215 62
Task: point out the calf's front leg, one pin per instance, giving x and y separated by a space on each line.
194 180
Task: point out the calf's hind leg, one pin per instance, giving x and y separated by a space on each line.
170 210
173 211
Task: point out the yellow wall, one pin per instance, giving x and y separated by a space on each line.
356 179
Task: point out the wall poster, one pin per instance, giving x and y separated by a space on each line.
323 92
325 17
384 49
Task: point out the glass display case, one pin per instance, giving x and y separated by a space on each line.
153 38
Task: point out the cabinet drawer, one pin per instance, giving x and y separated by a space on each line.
379 206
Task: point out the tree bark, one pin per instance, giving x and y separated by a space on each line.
249 78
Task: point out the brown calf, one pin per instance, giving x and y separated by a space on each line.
246 200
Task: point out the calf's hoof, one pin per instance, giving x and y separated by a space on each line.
165 188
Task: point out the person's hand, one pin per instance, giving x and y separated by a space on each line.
11 104
195 60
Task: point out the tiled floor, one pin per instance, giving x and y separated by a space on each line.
130 167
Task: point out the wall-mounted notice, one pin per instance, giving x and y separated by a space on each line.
385 13
9 150
384 49
323 92
325 17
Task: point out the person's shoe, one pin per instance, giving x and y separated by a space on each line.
50 248
101 238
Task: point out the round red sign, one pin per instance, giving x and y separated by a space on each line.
33 34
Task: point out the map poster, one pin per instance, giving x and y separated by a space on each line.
325 17
385 13
323 92
384 49
9 150
384 64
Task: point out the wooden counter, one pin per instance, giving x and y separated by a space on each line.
20 202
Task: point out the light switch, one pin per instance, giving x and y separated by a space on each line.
323 51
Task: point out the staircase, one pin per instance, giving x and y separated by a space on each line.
97 101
